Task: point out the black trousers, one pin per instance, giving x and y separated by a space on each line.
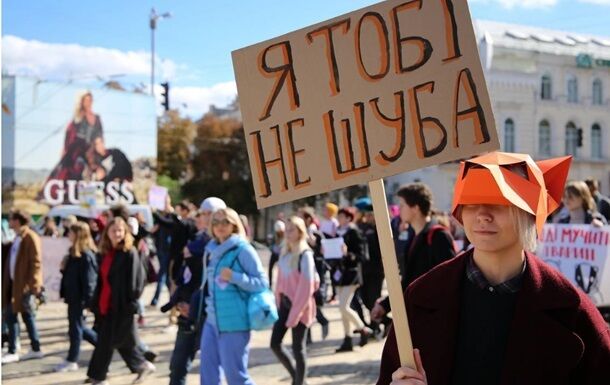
102 355
298 372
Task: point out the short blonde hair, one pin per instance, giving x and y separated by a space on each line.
233 218
525 227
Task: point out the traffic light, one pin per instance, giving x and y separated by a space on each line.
165 95
579 142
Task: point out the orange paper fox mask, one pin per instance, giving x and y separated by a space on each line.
501 178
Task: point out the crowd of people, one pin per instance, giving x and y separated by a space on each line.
204 257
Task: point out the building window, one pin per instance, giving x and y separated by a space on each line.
572 90
544 138
571 139
545 88
597 92
509 135
596 141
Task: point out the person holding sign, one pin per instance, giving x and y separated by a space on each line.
297 282
496 314
348 277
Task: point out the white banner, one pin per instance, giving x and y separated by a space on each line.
53 251
580 253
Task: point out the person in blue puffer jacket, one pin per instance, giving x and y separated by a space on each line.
233 272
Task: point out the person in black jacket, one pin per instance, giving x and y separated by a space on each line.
431 245
79 277
348 277
115 301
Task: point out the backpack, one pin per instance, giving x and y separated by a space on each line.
433 229
317 295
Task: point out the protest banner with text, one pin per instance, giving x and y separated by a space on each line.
393 87
580 253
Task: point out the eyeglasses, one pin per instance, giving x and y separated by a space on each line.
223 221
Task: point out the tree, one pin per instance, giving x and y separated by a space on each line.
174 139
220 165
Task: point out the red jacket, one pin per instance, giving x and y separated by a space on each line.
557 336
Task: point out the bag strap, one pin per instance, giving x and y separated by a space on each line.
204 277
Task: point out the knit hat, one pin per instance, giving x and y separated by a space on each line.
212 204
332 209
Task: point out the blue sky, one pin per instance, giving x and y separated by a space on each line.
80 40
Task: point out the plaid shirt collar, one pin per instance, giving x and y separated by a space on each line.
475 276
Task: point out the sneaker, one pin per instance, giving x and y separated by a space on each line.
66 366
145 369
32 354
10 358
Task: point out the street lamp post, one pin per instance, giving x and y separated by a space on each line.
153 25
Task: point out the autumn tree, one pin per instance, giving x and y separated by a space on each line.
174 139
220 165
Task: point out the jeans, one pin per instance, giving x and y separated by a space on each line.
13 329
298 372
77 330
348 315
163 279
184 351
227 350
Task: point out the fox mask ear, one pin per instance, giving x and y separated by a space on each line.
555 172
512 179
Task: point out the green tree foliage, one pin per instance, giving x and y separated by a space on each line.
220 165
175 135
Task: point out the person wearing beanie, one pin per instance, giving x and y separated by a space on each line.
329 223
211 205
497 314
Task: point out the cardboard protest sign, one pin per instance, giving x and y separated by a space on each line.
53 251
580 253
157 196
389 88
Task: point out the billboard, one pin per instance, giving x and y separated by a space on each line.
62 140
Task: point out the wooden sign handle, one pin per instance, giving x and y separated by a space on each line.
392 276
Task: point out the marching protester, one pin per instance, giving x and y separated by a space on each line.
162 235
49 228
314 240
602 202
497 314
21 284
115 302
372 268
329 223
581 206
279 228
348 277
189 329
296 284
78 280
432 243
234 271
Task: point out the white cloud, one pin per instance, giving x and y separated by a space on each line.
523 3
73 61
80 63
195 101
598 2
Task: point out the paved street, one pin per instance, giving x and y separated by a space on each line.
325 366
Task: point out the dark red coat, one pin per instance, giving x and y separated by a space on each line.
557 335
